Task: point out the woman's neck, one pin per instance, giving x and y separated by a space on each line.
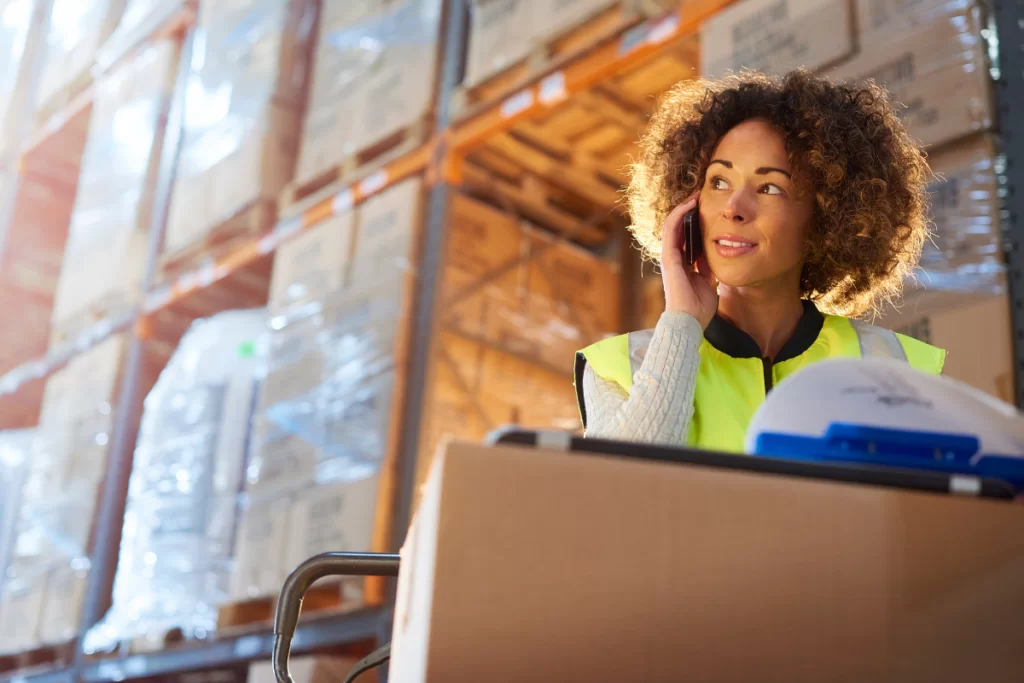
768 315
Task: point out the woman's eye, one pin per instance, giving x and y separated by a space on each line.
771 189
718 183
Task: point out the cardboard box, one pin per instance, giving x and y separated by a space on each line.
716 576
313 264
21 607
776 36
62 609
360 96
501 33
311 669
261 548
476 389
108 238
519 288
331 517
937 72
974 329
226 168
881 19
77 28
387 229
966 251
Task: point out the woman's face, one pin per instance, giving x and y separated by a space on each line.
754 218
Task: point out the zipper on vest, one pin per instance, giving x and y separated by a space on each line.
766 363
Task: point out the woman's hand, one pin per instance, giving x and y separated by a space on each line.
689 289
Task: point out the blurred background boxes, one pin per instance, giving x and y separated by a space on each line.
77 30
243 104
776 36
932 59
108 239
373 84
536 264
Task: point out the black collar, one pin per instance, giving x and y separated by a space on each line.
734 342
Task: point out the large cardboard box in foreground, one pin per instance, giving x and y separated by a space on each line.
974 329
525 566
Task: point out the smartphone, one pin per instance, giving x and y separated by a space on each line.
693 241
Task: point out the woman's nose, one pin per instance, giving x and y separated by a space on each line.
737 208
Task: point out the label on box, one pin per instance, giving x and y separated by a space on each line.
776 36
937 75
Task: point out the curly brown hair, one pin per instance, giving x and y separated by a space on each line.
868 176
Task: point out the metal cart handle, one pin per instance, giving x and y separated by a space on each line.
289 602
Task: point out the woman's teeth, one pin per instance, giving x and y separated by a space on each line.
731 243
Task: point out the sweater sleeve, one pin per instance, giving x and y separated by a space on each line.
659 406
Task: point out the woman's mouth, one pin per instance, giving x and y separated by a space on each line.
730 247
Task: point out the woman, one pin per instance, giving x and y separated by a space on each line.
812 202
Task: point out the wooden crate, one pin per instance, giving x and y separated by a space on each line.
534 47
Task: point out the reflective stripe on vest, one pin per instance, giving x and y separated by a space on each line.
730 389
876 342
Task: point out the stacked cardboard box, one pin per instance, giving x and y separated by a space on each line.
931 56
242 115
505 32
42 596
776 36
960 301
324 412
108 237
77 29
516 305
374 76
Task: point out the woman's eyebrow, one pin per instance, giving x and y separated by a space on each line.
764 170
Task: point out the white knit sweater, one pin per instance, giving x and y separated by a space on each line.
659 406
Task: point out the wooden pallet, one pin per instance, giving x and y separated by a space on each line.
557 51
254 220
299 195
40 658
324 598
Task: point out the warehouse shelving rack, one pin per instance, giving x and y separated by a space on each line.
441 161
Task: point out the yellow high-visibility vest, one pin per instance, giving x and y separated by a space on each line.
734 379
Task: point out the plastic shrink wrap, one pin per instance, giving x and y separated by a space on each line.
179 524
374 74
245 91
15 450
933 59
141 18
77 29
108 237
14 25
965 253
49 566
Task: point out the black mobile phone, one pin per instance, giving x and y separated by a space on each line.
693 242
